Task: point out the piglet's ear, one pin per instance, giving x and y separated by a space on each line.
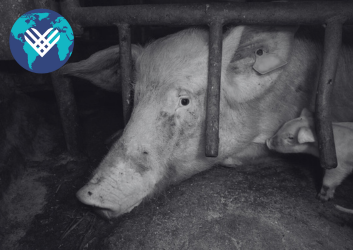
305 135
306 113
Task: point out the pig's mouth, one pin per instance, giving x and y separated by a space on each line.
105 213
108 214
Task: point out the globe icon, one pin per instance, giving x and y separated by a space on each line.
41 41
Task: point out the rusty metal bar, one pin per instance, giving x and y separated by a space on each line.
126 68
282 13
213 89
68 111
323 121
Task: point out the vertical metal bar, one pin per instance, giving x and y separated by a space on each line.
213 89
126 70
323 121
68 111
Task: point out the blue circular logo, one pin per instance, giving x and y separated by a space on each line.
41 41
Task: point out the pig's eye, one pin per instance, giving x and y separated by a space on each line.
290 137
259 52
184 101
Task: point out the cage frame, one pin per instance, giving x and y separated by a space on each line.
331 14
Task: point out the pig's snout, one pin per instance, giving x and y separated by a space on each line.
117 191
91 195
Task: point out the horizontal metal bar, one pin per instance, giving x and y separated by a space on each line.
280 13
126 68
213 89
332 45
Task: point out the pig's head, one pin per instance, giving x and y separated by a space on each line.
295 136
164 140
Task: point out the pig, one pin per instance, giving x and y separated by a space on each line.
268 75
298 136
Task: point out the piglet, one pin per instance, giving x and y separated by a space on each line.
298 136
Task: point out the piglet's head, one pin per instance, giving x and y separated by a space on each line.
295 136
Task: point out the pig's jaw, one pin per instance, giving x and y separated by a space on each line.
112 213
105 213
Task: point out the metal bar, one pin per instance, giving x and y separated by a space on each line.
126 68
281 13
323 121
195 14
213 89
10 11
68 111
67 10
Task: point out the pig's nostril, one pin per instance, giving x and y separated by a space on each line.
145 152
89 193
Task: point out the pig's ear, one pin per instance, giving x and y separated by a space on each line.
102 68
305 135
253 59
306 113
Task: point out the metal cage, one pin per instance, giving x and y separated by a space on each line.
215 15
